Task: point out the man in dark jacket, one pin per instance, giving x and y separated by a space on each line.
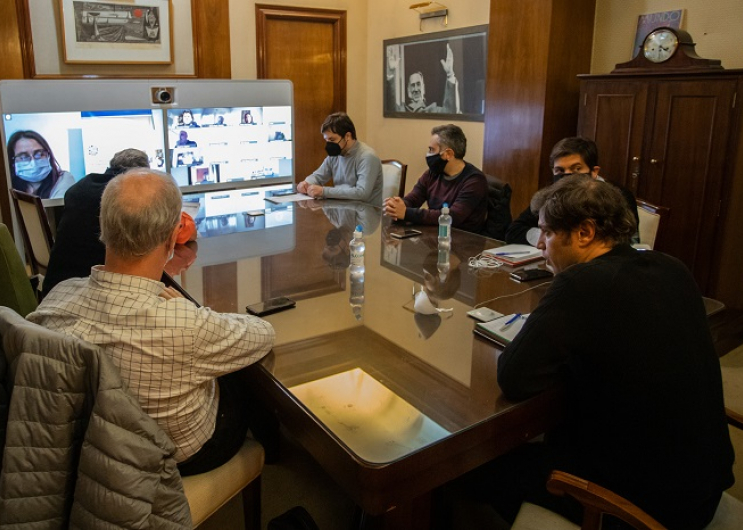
77 246
569 155
625 332
449 179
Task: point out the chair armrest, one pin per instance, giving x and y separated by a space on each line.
597 501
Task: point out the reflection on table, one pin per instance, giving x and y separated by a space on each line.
391 402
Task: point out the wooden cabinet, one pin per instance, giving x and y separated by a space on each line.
672 140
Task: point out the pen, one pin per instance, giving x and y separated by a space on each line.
513 319
513 253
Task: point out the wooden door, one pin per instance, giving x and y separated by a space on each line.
308 47
684 166
613 115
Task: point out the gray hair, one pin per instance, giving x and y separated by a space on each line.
128 158
140 209
452 137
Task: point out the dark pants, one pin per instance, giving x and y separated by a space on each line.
234 416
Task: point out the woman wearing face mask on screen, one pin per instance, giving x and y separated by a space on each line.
33 167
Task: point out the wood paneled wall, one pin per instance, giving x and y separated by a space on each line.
536 50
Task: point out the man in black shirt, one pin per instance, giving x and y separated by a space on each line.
626 334
77 247
568 156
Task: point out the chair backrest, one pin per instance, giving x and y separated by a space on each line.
651 217
34 224
499 208
393 173
15 288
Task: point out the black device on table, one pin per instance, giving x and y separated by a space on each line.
530 274
270 306
404 234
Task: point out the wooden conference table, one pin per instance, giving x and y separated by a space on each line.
392 404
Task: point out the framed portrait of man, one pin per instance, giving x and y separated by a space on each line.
437 75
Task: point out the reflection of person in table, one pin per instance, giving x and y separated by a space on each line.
416 87
626 334
33 168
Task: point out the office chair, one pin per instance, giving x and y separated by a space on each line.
499 208
35 229
16 291
393 173
651 217
597 501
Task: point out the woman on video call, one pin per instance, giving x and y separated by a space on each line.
33 167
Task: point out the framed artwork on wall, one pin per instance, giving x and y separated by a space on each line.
124 32
436 75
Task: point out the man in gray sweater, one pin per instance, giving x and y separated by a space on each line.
353 166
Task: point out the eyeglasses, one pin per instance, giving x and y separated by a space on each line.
36 155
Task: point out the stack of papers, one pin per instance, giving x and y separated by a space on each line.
503 329
515 254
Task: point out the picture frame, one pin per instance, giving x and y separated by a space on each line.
437 75
117 32
651 21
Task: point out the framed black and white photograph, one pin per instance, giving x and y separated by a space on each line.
436 75
124 32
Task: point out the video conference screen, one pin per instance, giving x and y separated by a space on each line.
209 134
79 142
218 144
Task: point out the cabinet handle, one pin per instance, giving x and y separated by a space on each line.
635 158
653 161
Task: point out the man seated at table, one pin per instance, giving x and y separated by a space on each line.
625 332
169 351
449 179
569 155
353 166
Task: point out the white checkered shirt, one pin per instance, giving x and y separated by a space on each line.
168 351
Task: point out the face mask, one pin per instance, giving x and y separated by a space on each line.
436 164
33 170
333 149
558 176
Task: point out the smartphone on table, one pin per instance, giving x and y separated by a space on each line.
270 306
404 234
530 274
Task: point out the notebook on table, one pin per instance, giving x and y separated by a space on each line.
503 329
515 254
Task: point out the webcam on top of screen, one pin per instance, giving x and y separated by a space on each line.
163 95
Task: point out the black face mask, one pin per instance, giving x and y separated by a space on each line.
436 164
558 176
333 149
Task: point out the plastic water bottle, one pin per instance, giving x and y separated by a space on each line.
357 248
356 299
445 228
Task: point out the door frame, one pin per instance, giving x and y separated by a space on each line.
265 12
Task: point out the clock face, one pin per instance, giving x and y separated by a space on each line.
660 45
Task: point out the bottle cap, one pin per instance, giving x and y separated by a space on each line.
358 233
445 209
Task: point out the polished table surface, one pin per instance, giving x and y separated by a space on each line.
392 403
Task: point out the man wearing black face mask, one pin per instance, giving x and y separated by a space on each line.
449 180
569 155
354 166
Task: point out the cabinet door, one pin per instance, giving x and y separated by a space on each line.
613 114
683 168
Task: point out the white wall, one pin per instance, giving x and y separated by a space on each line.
716 27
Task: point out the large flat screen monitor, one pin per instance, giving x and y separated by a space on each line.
209 134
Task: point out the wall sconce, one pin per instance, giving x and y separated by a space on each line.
431 10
